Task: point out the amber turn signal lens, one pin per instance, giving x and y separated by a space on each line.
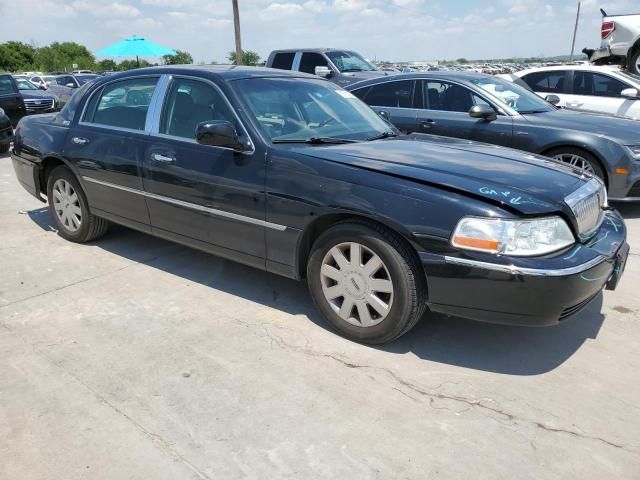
622 171
488 245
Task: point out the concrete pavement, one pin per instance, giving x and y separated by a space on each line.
135 358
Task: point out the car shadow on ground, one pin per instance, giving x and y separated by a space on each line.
437 338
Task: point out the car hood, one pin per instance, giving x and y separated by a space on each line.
614 126
39 94
517 181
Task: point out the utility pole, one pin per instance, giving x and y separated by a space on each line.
236 25
575 30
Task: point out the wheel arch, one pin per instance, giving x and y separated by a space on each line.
321 224
584 148
47 165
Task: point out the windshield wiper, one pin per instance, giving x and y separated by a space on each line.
315 140
353 70
382 135
528 112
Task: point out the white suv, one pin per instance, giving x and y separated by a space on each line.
606 89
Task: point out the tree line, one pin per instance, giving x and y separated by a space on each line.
62 56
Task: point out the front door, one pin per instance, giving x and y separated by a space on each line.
599 92
446 113
211 196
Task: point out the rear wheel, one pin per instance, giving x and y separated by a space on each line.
578 159
366 281
69 208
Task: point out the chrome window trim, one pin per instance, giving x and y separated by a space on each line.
193 206
161 102
538 272
101 89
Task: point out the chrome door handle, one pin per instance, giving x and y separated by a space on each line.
574 104
162 158
80 140
428 124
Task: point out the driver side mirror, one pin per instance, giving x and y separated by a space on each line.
71 85
630 94
552 99
384 114
220 133
42 87
483 111
324 72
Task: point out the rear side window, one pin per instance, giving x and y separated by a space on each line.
310 61
547 82
283 61
596 84
122 104
6 85
390 94
189 103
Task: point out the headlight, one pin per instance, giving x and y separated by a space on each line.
522 238
635 150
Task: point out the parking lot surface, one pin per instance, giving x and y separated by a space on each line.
135 358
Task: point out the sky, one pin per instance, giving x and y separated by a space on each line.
399 30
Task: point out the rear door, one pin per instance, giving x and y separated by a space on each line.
446 113
396 98
210 195
550 82
107 147
598 92
10 99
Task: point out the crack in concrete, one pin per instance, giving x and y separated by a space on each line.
433 396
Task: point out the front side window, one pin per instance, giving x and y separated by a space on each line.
449 97
122 104
310 61
189 103
598 85
350 62
295 110
390 94
547 82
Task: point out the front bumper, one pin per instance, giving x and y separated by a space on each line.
6 135
527 291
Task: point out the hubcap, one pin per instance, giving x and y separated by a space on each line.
67 205
575 161
356 284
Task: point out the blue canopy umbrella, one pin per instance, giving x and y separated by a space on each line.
135 47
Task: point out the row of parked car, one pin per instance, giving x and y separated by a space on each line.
290 173
32 93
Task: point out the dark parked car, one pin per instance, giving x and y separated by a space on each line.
6 132
11 101
340 66
37 100
489 109
294 175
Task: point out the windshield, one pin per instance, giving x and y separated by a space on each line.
289 109
25 84
82 79
516 97
629 75
350 62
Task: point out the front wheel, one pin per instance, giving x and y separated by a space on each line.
367 282
69 208
579 159
634 62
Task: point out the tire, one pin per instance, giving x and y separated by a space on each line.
634 59
359 282
592 165
81 227
4 147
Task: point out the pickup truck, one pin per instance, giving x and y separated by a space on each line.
620 42
343 67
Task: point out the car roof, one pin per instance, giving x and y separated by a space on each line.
223 72
453 75
593 68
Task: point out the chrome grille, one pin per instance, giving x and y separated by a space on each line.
39 105
587 205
